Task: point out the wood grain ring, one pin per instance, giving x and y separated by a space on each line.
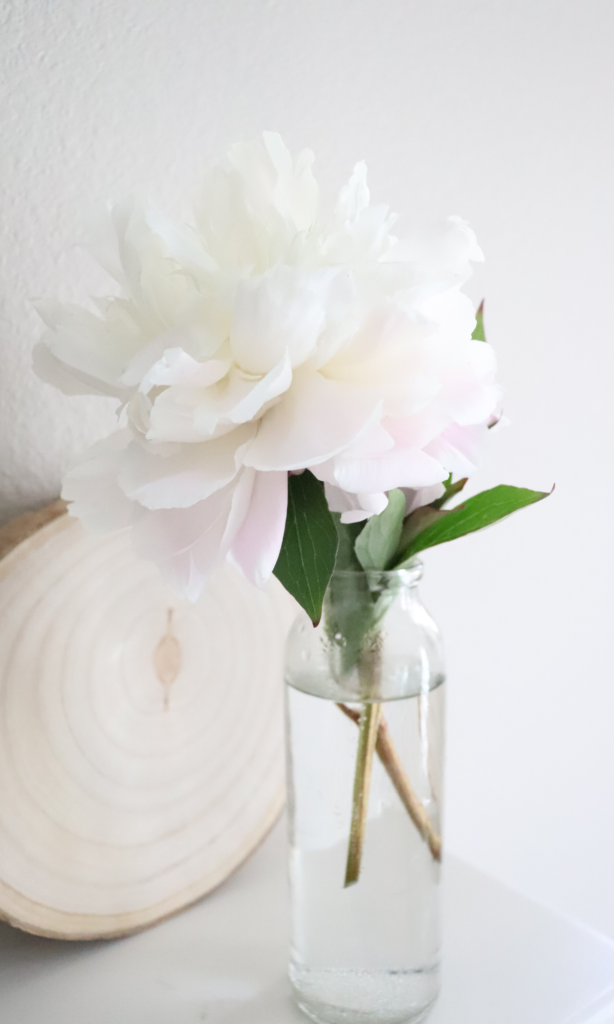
140 735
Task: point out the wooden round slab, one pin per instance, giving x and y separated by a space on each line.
140 735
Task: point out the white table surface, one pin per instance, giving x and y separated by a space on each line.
507 961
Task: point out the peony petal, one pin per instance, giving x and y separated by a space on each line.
342 318
354 508
187 543
415 431
282 311
416 498
391 352
68 380
355 196
469 392
116 238
252 206
371 443
172 415
256 547
399 468
296 192
92 488
358 515
177 367
338 500
240 398
97 349
183 244
459 448
373 503
446 249
197 344
244 485
183 478
314 420
358 232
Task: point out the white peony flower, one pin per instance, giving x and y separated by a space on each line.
263 339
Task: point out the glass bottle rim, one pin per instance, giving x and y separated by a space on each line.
409 575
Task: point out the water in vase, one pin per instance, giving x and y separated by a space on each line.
367 953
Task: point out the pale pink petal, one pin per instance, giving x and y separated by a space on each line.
342 318
415 431
370 444
296 192
172 415
185 476
281 311
186 543
357 515
196 342
367 238
270 184
355 196
313 421
459 448
399 468
242 495
183 244
391 352
92 489
253 205
67 379
373 503
177 367
95 347
358 232
256 547
240 398
338 500
454 314
422 496
354 508
448 248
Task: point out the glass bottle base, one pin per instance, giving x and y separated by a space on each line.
364 997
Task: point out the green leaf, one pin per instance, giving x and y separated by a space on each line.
308 550
473 514
451 489
349 604
347 533
478 331
378 541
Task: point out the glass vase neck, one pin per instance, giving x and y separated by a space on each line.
378 579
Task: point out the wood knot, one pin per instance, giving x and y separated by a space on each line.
167 658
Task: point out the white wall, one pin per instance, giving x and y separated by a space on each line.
498 110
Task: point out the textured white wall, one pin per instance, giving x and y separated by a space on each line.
498 110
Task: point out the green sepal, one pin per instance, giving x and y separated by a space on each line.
379 539
451 489
347 534
349 603
478 330
309 547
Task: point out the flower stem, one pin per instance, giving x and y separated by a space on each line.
367 735
392 763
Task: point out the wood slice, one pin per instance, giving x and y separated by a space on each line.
140 735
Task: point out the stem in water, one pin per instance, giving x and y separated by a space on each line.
368 726
392 763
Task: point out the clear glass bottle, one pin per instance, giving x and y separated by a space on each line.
365 891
